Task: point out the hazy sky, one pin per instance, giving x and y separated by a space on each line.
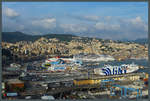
112 20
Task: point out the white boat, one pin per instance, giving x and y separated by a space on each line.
47 97
116 70
51 60
92 57
15 65
58 67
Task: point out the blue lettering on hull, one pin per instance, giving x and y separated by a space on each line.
114 71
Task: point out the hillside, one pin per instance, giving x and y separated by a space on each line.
68 45
141 41
13 37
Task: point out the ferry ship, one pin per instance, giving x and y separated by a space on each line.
116 70
92 57
59 64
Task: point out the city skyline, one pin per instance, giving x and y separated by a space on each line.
108 20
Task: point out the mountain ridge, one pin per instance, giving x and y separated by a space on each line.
13 37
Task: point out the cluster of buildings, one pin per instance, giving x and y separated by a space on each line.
51 47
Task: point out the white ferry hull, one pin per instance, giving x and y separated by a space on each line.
116 70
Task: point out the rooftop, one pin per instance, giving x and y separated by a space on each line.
14 81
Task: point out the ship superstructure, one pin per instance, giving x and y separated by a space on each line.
92 57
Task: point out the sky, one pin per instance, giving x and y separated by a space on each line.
107 20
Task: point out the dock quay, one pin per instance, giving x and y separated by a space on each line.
95 81
61 78
81 87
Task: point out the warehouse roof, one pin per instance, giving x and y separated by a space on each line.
14 81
